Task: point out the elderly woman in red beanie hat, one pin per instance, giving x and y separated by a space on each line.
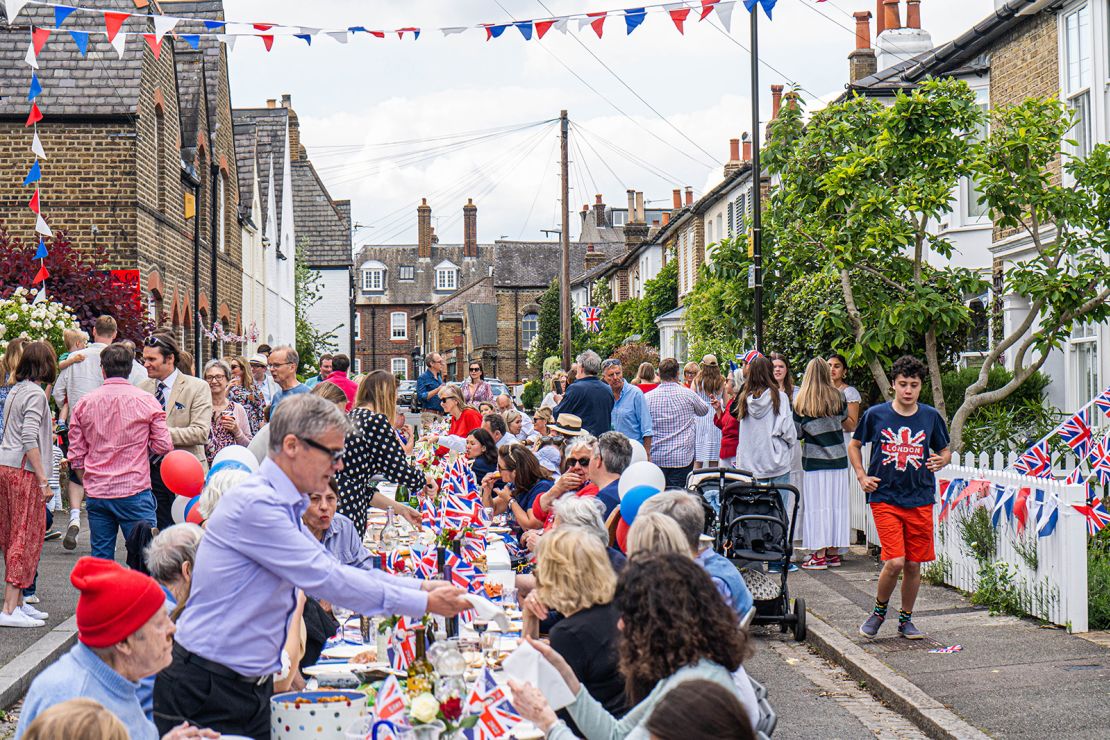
124 635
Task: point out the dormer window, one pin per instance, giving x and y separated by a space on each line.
373 277
447 277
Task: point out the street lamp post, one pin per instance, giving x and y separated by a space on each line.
757 194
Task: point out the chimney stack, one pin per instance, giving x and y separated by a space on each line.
664 218
733 163
689 195
890 15
880 18
913 13
593 258
641 217
424 229
747 152
631 206
599 211
271 103
470 229
776 98
862 61
677 193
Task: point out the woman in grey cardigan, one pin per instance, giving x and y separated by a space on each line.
674 628
25 461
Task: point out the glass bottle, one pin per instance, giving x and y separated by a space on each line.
421 675
391 535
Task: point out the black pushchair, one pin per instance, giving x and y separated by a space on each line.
753 527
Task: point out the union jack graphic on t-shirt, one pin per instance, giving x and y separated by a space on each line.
903 448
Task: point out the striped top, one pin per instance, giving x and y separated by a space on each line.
824 447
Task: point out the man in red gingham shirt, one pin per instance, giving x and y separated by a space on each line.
673 408
112 432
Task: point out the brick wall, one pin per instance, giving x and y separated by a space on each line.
377 348
512 357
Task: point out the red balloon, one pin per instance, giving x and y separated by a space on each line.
194 516
182 473
622 535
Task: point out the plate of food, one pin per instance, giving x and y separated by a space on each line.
353 653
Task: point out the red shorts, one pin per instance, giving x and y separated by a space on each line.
905 533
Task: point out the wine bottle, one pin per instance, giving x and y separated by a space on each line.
421 675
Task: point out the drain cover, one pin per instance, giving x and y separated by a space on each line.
901 644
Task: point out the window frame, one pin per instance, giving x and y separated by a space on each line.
1076 75
406 272
451 283
404 367
371 275
404 328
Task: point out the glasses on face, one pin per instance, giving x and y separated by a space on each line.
690 373
583 462
272 365
336 455
216 378
475 369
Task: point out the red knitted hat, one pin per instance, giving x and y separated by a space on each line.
115 601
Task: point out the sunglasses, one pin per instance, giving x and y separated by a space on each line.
580 461
156 342
336 455
475 369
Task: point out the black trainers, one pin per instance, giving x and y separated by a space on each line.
70 541
51 535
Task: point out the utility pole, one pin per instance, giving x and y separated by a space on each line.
564 238
757 190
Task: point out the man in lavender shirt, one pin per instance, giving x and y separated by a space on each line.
255 554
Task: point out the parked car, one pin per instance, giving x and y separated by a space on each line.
406 389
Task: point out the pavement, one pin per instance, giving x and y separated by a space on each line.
1013 678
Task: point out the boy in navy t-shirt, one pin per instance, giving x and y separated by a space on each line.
909 442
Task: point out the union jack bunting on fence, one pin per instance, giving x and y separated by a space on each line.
1036 462
592 315
1100 461
1096 515
1102 400
1076 432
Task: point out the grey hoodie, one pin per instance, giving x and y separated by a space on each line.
766 440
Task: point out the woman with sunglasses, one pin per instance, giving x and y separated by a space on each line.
464 420
575 479
475 388
527 480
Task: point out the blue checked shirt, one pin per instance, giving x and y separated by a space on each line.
631 415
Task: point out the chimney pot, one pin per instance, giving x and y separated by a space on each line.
747 149
677 193
689 196
913 13
665 218
734 150
597 199
863 29
287 101
880 18
631 205
271 103
776 99
890 15
640 215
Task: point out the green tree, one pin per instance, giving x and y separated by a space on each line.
311 342
547 341
660 296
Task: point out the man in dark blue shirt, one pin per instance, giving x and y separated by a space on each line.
909 442
588 397
428 386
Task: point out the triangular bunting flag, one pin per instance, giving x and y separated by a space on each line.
305 37
35 115
192 39
724 13
214 25
707 8
154 43
61 12
38 39
41 275
113 22
340 36
41 254
598 21
163 24
30 58
561 24
36 147
267 41
377 34
81 38
41 226
357 29
262 26
12 9
228 40
543 27
452 30
525 28
768 5
35 89
40 296
119 43
33 204
414 31
1021 509
33 175
678 13
633 17
494 31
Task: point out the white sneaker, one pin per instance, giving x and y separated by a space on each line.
30 599
19 618
32 612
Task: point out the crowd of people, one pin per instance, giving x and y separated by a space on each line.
194 638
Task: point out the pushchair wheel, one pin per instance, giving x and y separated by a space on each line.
799 619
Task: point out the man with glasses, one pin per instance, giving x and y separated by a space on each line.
428 387
188 406
262 378
631 416
283 362
256 553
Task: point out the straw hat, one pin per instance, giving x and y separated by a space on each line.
569 425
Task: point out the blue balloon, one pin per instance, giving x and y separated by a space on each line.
225 465
189 507
632 500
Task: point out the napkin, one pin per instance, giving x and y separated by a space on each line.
527 665
488 610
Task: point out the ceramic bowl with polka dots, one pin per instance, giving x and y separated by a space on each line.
305 715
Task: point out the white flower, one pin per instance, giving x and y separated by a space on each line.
424 709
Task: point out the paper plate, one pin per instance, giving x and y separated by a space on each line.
346 650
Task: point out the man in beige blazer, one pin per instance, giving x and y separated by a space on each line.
188 405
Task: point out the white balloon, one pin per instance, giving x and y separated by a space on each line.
238 453
639 452
177 511
643 473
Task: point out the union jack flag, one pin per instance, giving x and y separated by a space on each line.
1096 514
390 702
951 493
426 562
1076 432
1048 513
458 512
593 318
496 714
493 723
750 356
473 548
463 574
1102 400
1036 462
427 511
1003 504
1100 461
402 651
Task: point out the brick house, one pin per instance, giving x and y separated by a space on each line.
141 166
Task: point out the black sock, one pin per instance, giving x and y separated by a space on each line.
903 616
880 608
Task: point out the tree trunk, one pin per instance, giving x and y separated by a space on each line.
934 372
873 364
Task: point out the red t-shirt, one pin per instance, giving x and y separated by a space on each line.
468 421
545 516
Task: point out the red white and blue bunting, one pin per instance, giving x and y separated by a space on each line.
34 175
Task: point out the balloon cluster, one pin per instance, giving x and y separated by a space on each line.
183 474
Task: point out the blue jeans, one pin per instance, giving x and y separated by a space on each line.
109 515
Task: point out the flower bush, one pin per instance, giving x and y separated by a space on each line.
46 320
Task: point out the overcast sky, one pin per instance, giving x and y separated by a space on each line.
354 99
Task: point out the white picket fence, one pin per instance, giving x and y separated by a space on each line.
1055 589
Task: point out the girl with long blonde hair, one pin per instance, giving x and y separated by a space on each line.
709 384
